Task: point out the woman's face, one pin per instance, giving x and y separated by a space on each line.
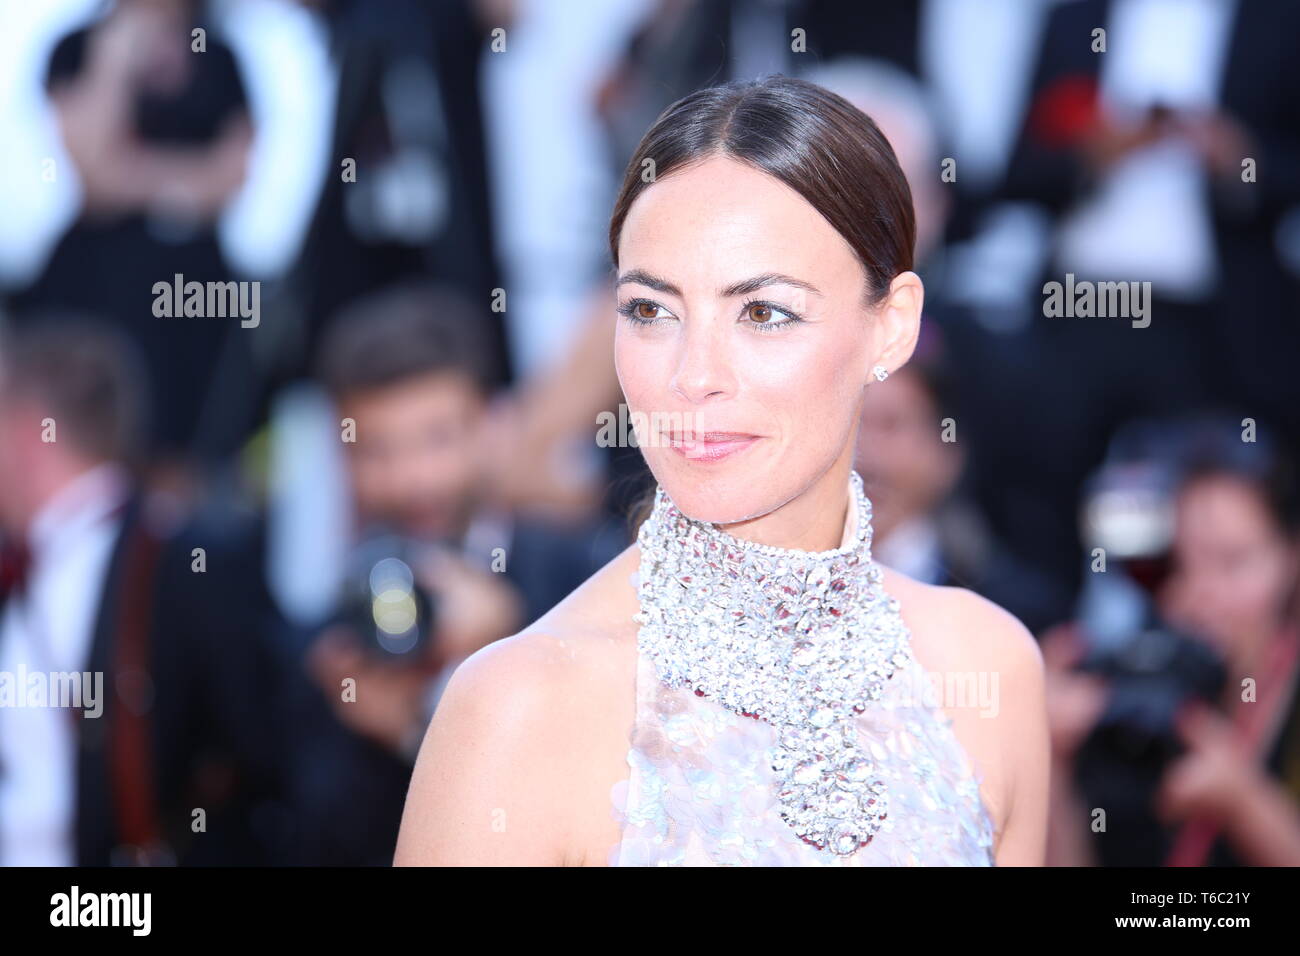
743 345
1233 568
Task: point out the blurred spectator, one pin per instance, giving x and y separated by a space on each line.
547 211
1138 152
409 121
97 585
409 370
911 457
154 119
905 112
1186 729
473 457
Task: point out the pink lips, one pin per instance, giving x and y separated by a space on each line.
710 446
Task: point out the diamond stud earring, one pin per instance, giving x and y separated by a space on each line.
880 372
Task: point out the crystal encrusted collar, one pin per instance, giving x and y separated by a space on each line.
802 640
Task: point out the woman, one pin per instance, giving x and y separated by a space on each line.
159 135
721 693
1232 796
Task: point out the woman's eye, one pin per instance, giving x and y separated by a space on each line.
768 316
763 315
642 311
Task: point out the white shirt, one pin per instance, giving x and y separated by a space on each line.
50 629
912 549
1148 219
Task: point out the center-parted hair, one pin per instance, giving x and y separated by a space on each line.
816 142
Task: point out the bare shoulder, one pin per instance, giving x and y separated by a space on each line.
956 627
512 680
514 732
582 639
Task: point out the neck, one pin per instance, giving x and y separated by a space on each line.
803 641
669 531
812 521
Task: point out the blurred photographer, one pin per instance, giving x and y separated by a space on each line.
1173 698
407 368
436 568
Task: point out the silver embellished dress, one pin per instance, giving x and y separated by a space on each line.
781 717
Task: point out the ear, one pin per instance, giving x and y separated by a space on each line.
898 321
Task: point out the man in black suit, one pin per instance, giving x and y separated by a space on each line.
169 752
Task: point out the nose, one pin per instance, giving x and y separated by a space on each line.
704 370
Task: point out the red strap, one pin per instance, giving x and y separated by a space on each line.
15 565
131 766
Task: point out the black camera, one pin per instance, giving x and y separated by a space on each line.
1150 679
1152 668
384 603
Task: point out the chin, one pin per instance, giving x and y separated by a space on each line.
722 492
721 512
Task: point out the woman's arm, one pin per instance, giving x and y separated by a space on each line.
1025 743
1075 700
488 783
1068 820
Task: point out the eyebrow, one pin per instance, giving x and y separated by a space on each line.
743 287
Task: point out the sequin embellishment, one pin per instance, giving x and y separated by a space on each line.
804 641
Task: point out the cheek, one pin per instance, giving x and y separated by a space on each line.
1258 587
933 462
630 365
450 463
645 363
805 386
811 386
1232 596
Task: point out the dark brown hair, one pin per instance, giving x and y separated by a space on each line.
815 141
84 375
404 332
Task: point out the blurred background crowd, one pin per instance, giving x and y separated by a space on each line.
276 538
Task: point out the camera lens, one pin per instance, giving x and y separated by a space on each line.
393 606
